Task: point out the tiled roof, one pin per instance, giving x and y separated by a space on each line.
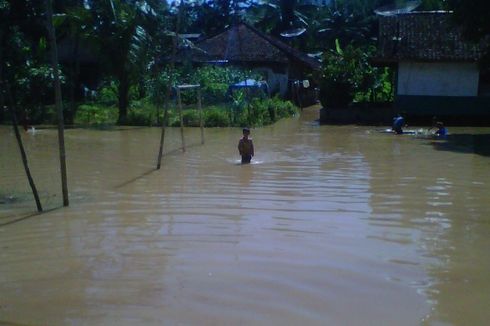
424 36
244 43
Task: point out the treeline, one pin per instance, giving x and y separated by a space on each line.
115 51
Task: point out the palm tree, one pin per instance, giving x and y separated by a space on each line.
123 32
277 16
341 24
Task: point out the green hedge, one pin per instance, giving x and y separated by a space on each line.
257 112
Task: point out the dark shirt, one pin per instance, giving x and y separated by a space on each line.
398 123
246 147
441 131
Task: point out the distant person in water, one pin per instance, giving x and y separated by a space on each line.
441 130
26 121
246 146
398 123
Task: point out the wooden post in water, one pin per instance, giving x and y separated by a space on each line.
58 103
169 86
162 135
13 113
181 116
201 115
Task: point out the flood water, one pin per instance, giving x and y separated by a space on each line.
332 225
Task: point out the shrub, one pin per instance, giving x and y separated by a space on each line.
94 114
216 117
267 111
191 118
107 95
283 109
43 114
139 118
348 76
215 81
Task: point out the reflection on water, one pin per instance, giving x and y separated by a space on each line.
478 143
332 225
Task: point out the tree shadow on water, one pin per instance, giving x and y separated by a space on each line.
464 143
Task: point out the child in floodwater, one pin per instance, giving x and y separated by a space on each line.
246 146
441 130
398 123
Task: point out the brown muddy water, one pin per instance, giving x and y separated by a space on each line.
332 225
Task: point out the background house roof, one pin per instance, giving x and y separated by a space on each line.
244 43
423 36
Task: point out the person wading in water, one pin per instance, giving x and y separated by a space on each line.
246 146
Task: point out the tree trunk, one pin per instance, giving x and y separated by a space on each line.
13 113
58 102
123 98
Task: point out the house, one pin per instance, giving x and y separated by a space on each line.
437 72
241 44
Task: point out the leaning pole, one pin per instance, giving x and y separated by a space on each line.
58 103
5 86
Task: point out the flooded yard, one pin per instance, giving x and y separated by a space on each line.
331 225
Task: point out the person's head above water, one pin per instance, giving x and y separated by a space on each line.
246 131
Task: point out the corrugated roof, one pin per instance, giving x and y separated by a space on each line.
424 36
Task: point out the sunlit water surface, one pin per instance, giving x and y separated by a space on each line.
332 225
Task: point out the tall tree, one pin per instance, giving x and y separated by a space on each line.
344 25
277 16
472 16
123 36
75 24
5 89
25 51
211 17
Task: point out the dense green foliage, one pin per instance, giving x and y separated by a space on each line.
115 53
214 81
257 112
472 15
349 77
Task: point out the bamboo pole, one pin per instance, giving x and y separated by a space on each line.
162 134
13 113
58 103
181 117
201 115
169 88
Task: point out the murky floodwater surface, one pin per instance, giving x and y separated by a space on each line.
333 225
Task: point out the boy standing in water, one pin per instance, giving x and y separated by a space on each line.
246 147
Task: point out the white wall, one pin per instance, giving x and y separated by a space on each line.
438 79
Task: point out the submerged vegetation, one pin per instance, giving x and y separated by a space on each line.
256 112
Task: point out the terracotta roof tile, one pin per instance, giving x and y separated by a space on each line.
244 43
424 36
